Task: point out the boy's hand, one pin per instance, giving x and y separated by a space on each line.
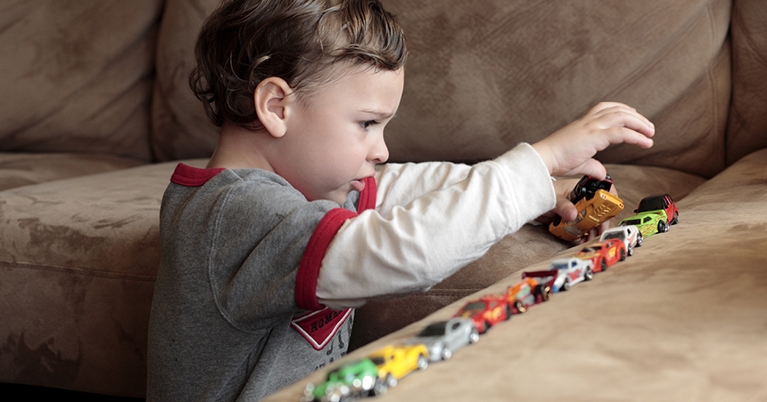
566 209
570 151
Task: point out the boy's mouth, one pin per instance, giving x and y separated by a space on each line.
358 185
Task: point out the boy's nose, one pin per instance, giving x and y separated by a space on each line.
379 153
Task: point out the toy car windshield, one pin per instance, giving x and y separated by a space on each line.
433 330
614 235
633 222
559 266
651 204
474 306
378 360
588 186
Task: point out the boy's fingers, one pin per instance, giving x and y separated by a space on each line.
591 167
620 135
631 120
566 210
607 106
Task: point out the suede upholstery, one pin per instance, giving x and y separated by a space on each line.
96 114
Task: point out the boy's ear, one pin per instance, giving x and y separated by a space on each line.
272 98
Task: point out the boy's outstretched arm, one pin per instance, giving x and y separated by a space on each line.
408 248
570 150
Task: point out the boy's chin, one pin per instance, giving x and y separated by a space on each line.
339 196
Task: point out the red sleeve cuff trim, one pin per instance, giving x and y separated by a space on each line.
368 195
189 176
309 270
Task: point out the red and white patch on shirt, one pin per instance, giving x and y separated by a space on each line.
319 327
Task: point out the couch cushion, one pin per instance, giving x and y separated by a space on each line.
77 75
748 120
23 169
77 271
526 247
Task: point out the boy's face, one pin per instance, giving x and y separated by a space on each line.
334 138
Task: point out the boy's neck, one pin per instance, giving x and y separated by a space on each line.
239 148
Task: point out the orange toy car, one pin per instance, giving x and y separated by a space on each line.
595 206
527 293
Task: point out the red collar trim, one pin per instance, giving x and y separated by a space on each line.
368 195
189 176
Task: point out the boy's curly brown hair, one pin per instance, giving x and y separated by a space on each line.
246 41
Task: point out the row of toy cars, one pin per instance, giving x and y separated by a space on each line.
596 205
384 368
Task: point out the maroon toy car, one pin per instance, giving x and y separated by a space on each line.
660 202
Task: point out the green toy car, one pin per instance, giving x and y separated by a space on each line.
352 380
649 222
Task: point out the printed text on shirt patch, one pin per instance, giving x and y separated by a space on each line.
319 327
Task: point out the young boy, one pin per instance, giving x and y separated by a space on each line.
265 252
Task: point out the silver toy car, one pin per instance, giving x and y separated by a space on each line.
444 337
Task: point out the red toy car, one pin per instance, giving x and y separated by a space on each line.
527 293
486 312
660 202
604 253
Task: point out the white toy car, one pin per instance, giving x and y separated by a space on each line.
571 271
564 273
629 234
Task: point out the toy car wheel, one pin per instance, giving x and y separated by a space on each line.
631 251
544 291
473 336
676 218
623 255
603 266
508 311
662 227
485 327
391 381
422 362
588 275
639 239
566 285
520 307
378 389
446 354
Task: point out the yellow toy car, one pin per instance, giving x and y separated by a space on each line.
397 361
595 205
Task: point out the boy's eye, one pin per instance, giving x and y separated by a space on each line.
367 124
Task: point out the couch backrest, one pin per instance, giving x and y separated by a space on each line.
485 75
77 75
482 76
747 129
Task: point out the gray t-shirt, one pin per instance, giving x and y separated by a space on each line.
225 324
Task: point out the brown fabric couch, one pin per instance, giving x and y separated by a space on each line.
96 111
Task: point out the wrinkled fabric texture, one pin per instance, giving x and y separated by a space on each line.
93 88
